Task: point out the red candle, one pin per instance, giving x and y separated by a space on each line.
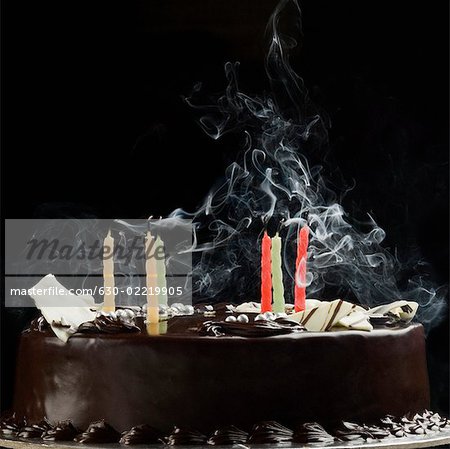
300 269
266 274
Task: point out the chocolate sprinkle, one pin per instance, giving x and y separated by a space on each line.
312 432
143 434
63 431
185 436
270 432
228 435
98 432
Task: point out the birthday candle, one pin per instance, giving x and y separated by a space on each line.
266 274
161 271
300 269
151 280
109 304
277 275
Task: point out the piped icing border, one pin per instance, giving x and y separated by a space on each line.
266 432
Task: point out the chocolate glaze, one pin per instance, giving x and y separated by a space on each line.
143 434
312 432
204 382
98 432
63 431
270 432
228 435
185 436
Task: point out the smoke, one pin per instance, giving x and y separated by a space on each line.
272 185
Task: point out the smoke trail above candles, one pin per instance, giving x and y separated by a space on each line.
273 186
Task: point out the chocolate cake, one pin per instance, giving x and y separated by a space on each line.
217 368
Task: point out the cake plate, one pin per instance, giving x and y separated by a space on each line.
434 439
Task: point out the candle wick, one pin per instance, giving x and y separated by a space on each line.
305 216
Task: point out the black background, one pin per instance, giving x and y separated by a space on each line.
93 121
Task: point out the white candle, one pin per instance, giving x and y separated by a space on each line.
151 280
161 271
109 304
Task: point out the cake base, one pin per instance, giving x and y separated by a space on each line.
206 382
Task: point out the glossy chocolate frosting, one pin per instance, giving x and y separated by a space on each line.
205 382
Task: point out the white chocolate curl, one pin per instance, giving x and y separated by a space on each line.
56 312
320 316
324 315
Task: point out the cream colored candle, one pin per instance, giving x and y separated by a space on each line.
151 280
277 275
161 271
109 304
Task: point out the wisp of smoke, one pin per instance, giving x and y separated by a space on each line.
272 182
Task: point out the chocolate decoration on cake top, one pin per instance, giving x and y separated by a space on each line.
228 435
98 432
39 324
251 329
143 434
109 325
